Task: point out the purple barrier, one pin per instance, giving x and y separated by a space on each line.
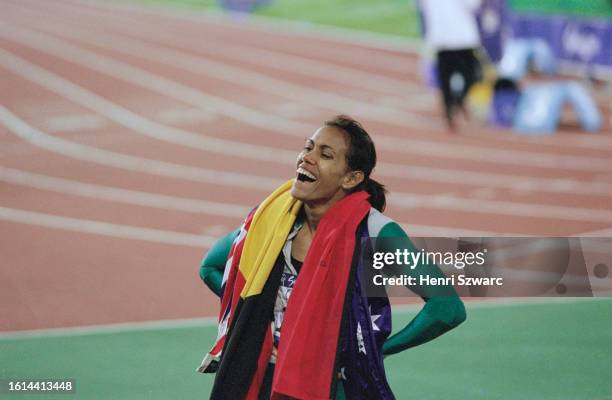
584 43
242 6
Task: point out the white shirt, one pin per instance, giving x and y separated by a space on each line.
451 24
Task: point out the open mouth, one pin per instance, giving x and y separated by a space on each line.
305 176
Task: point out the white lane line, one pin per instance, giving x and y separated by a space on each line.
284 27
131 163
134 121
249 79
105 329
100 192
425 231
496 180
309 67
146 199
178 116
494 155
309 30
244 77
497 207
403 200
74 123
105 228
211 322
139 77
147 127
284 126
276 60
607 232
300 29
258 81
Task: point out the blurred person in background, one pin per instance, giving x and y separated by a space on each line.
451 32
297 264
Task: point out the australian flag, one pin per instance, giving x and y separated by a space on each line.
368 326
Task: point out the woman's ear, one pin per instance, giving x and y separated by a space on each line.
352 179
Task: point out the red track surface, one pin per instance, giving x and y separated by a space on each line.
91 237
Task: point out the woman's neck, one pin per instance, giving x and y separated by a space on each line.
314 211
313 215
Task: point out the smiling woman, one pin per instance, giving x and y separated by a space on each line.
295 264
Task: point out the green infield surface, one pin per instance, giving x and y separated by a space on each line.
394 17
579 8
519 350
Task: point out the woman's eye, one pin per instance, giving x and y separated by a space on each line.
326 156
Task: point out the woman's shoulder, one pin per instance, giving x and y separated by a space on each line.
379 225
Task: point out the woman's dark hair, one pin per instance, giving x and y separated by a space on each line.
361 156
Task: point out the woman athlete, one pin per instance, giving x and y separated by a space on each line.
296 320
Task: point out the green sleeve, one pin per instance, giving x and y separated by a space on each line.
442 311
213 263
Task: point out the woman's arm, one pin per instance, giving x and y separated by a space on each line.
442 311
213 263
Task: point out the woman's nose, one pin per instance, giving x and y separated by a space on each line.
308 157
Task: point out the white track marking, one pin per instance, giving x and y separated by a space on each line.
403 200
278 60
299 29
251 79
306 30
146 199
234 75
177 116
134 121
283 28
166 87
100 192
122 327
415 230
445 202
598 233
586 141
488 154
147 127
131 163
74 123
284 126
264 83
275 60
210 322
105 228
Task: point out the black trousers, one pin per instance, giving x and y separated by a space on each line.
458 70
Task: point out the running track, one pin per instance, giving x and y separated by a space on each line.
132 138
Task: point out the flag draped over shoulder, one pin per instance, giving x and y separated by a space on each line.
244 336
310 344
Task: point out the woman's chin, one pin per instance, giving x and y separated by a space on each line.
299 190
298 195
296 192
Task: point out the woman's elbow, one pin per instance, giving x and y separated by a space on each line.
460 314
204 270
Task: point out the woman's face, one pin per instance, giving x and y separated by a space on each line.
322 171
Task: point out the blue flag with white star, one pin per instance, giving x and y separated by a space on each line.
368 326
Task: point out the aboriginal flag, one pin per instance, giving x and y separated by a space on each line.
309 350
